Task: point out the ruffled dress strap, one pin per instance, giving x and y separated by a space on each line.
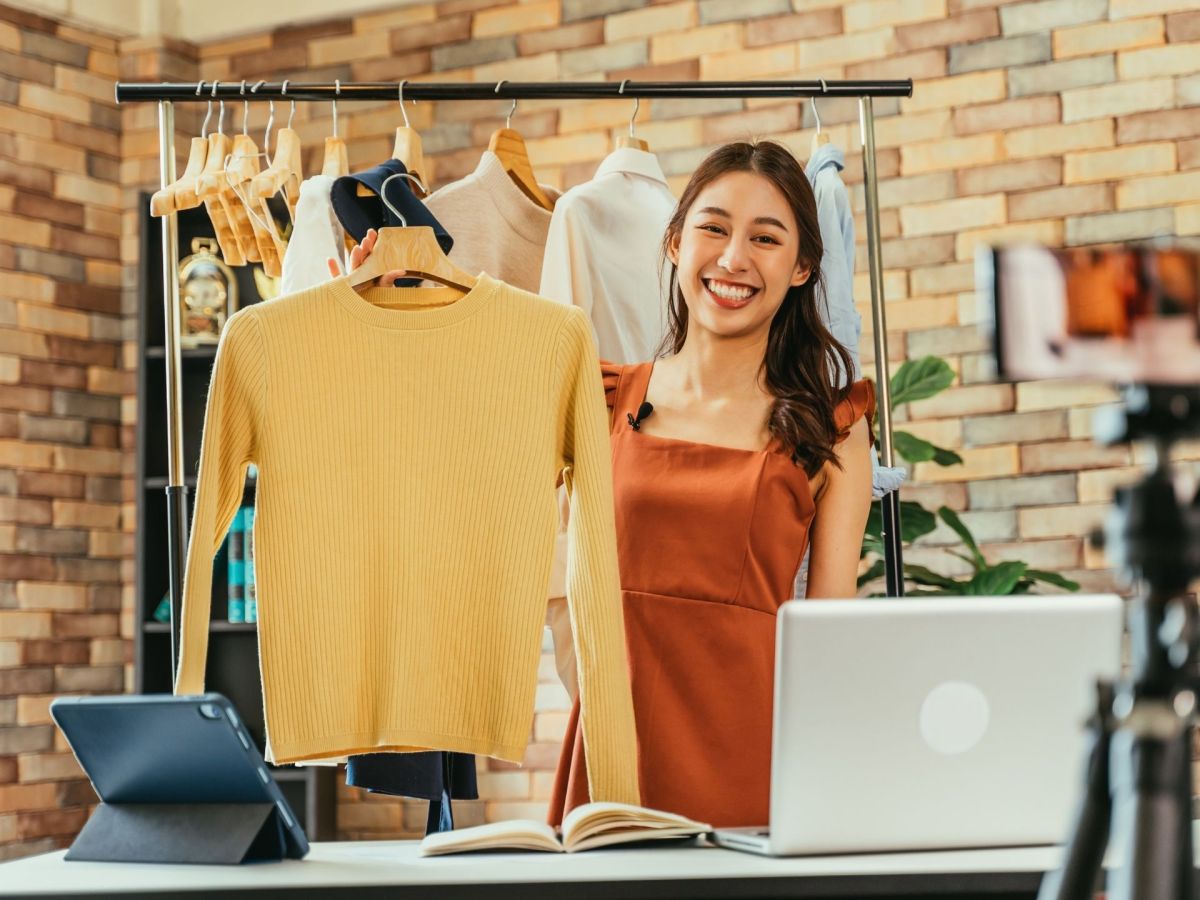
858 402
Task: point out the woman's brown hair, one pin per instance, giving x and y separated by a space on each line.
802 356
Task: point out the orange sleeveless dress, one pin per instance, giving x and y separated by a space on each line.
709 540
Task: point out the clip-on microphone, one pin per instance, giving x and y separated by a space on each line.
643 413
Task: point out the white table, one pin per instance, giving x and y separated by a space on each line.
364 869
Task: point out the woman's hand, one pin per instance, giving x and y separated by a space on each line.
359 255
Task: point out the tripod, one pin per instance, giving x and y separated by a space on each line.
1138 792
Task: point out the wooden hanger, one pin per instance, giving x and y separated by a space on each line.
284 172
337 161
250 209
412 248
209 188
242 166
166 200
509 146
407 149
630 140
820 137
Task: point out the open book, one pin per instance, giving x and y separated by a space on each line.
585 827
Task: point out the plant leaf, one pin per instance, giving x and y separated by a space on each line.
944 457
950 517
998 580
914 449
919 379
922 575
1052 578
877 570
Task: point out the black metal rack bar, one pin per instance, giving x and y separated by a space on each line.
128 92
167 94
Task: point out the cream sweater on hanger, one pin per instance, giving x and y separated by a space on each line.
496 228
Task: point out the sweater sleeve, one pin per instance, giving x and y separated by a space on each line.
593 581
231 434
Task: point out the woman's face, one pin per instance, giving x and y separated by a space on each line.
737 255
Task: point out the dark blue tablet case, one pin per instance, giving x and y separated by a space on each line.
180 781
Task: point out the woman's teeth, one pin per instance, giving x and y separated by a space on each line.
728 291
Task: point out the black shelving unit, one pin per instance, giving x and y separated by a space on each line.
233 646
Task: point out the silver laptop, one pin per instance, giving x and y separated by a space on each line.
931 723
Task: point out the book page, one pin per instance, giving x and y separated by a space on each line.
601 824
519 834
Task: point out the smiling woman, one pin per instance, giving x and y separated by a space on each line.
730 455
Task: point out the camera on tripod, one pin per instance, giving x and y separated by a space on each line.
1128 315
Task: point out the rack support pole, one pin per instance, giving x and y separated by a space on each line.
893 551
176 489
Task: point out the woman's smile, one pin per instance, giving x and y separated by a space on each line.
729 294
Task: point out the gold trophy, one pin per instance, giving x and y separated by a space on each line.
208 294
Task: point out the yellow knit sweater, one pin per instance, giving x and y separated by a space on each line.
406 518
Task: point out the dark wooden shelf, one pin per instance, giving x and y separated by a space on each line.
160 482
218 626
160 352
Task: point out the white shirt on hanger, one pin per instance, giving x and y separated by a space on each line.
603 253
316 236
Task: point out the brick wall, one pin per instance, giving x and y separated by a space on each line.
66 432
1065 121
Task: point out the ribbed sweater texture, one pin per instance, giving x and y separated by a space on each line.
407 460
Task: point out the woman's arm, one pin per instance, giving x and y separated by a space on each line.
843 502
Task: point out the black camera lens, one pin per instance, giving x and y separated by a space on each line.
210 711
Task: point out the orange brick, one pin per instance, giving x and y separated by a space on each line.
87 190
397 18
1061 521
39 98
348 48
951 216
868 14
794 27
1061 201
27 232
953 153
26 454
1119 163
71 513
1117 99
978 462
1187 219
599 114
959 401
957 90
51 155
34 767
85 84
36 595
763 122
54 321
1171 59
639 23
846 48
585 33
1161 190
748 64
1010 114
1048 140
1106 37
1125 9
961 29
570 148
87 460
25 625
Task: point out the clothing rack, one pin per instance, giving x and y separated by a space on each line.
166 95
